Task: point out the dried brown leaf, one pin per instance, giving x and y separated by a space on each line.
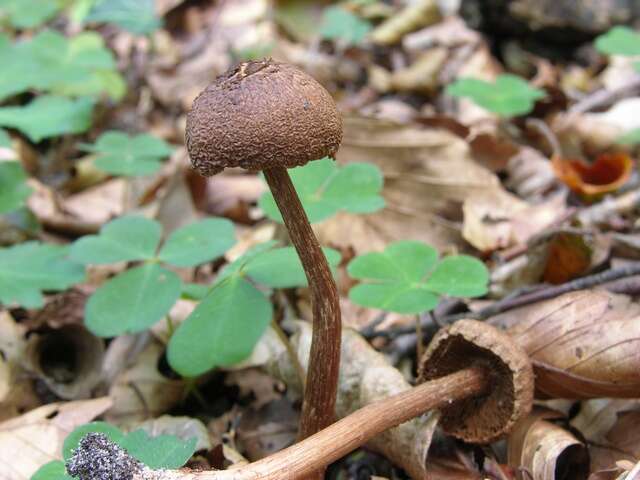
540 449
583 344
142 391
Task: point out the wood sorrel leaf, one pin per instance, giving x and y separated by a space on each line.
222 330
132 301
325 188
123 239
509 95
408 278
198 242
129 155
31 267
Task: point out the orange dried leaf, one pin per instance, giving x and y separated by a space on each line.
583 344
569 256
607 174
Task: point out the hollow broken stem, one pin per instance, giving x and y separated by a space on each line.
318 408
319 450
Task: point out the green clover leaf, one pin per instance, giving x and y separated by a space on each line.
29 268
408 278
340 24
49 116
129 155
135 16
325 188
13 187
619 41
132 301
222 330
509 95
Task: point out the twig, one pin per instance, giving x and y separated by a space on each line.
602 211
602 98
510 303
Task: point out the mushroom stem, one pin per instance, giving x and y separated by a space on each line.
318 408
319 450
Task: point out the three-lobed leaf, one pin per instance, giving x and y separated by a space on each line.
13 187
121 154
222 330
340 24
132 301
325 188
260 263
198 242
29 268
509 95
408 278
394 278
620 40
49 116
50 62
163 451
123 239
29 13
135 16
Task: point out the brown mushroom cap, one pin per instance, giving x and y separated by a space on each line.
261 115
509 396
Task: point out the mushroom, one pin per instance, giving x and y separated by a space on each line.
481 381
269 116
505 367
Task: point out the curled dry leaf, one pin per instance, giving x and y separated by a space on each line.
366 376
29 441
541 449
618 448
606 174
583 344
598 416
68 360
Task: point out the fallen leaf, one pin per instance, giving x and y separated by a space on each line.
568 257
583 344
497 219
142 391
29 441
541 449
270 429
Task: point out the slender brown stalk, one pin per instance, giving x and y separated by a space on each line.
318 409
317 451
